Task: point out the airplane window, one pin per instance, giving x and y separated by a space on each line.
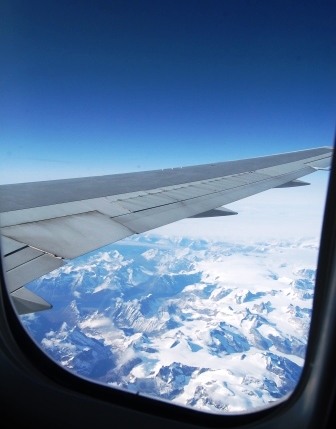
145 282
212 321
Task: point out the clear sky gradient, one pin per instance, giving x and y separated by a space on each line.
102 87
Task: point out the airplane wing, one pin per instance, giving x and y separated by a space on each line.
45 223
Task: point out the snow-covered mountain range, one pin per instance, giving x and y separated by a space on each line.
216 326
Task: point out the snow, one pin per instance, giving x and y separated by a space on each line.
217 326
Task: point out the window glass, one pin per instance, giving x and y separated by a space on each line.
216 320
210 313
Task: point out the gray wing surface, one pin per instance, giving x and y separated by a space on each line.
45 223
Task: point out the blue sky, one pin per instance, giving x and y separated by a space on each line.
92 88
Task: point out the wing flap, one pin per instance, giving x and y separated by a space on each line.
69 236
20 257
31 270
9 246
36 214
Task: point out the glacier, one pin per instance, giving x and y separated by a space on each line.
216 326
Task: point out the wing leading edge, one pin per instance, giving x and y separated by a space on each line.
45 223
